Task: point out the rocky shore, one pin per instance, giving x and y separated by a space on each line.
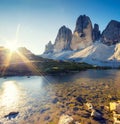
82 102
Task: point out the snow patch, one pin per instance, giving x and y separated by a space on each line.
95 54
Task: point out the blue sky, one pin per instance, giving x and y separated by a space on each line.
38 21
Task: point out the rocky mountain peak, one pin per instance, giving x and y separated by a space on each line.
82 35
82 23
111 34
63 39
49 48
96 33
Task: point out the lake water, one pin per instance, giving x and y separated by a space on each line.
43 99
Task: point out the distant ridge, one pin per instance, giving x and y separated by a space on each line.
85 36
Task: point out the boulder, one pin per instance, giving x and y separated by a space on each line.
11 115
96 114
65 119
55 100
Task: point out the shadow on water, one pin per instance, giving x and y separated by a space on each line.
90 74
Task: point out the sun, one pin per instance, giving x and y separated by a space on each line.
12 46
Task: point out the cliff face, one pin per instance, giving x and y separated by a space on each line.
63 39
48 48
96 33
111 34
82 35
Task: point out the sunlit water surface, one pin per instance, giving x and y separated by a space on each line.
29 96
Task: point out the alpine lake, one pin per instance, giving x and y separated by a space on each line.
43 99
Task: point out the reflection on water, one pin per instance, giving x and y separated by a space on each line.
34 98
23 95
9 94
12 98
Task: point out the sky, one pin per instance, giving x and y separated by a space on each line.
33 23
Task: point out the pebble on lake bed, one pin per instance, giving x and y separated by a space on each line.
65 119
11 115
89 106
96 114
55 100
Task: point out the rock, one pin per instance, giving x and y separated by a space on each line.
77 122
75 109
44 110
65 119
48 48
82 35
55 100
80 99
96 33
115 106
96 114
111 34
11 115
47 118
89 106
63 39
26 117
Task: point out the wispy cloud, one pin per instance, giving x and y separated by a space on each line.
17 32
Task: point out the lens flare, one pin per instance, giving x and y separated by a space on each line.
12 46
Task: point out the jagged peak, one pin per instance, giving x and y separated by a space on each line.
49 43
96 26
62 28
82 22
114 21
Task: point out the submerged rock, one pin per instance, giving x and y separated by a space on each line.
47 118
89 106
55 100
65 119
75 109
80 100
11 115
44 110
96 114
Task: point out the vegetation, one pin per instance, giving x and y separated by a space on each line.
53 67
23 62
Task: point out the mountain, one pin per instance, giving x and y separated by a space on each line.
82 35
63 39
96 33
49 47
97 54
88 44
19 62
111 34
23 62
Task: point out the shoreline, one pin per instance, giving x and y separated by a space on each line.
52 73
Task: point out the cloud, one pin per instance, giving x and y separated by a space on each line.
17 32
